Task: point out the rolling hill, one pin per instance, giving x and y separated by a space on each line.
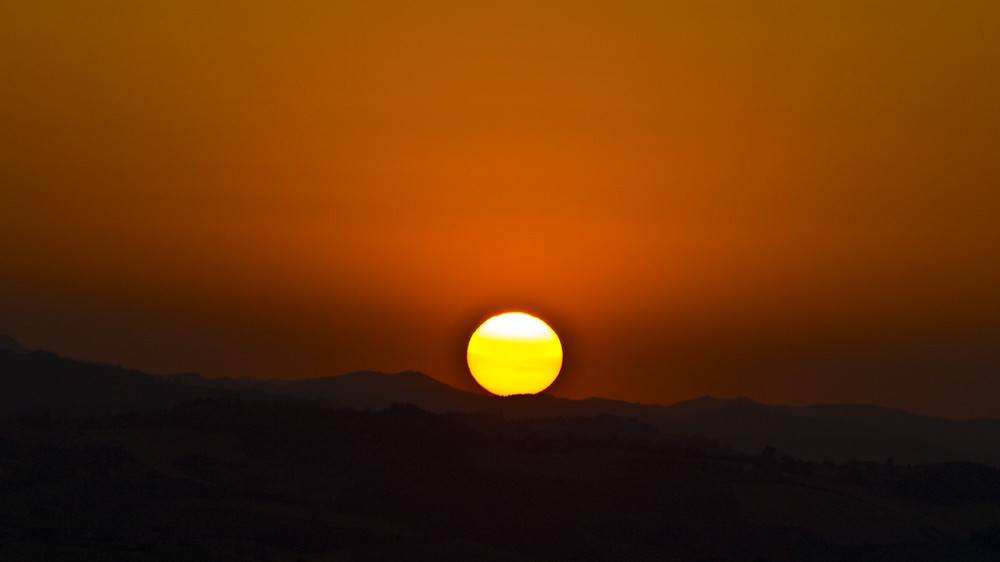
41 382
380 466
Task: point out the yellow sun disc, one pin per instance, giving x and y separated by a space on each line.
514 353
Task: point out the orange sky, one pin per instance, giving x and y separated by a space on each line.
794 203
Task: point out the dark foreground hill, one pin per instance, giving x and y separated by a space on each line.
229 480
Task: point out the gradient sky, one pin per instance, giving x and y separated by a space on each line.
797 202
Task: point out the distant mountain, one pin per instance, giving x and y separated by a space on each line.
820 432
369 389
41 382
8 343
833 434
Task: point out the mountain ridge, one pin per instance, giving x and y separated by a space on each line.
10 344
41 382
836 432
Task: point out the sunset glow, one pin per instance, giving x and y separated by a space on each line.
710 197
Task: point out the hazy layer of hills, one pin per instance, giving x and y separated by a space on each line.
101 462
34 383
819 432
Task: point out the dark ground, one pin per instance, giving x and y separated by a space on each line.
221 479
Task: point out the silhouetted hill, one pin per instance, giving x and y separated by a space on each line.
33 383
797 432
218 479
181 467
367 389
977 439
821 432
41 382
8 343
362 389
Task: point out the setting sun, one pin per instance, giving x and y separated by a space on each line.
514 353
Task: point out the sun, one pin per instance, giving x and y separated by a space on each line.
514 353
